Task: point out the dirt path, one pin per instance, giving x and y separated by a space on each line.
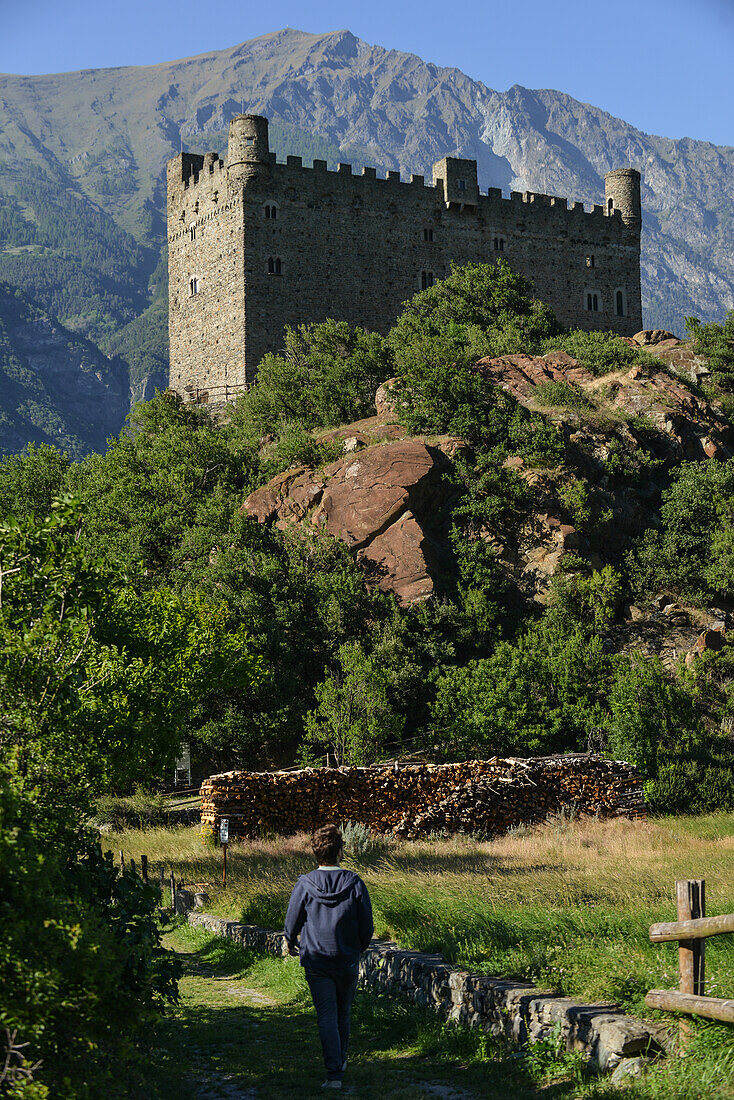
245 1030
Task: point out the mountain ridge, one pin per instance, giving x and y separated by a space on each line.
83 155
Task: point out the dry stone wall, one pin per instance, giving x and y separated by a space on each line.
476 796
255 245
511 1010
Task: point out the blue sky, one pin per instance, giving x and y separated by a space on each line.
667 66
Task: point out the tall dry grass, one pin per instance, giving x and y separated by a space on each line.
567 904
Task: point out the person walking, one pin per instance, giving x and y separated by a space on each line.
331 911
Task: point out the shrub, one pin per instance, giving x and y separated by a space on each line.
555 394
715 343
359 841
82 970
327 374
600 352
692 554
353 717
141 810
491 298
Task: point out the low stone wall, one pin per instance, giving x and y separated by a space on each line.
411 800
515 1011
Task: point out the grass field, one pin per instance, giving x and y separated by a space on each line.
567 905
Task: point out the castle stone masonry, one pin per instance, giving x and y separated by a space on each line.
255 245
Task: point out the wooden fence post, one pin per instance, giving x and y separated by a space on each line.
144 868
173 892
691 895
122 860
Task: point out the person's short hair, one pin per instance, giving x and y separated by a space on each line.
327 844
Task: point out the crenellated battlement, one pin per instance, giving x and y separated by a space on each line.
256 244
192 169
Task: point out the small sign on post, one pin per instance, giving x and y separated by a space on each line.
224 840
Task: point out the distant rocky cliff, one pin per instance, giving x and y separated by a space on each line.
55 387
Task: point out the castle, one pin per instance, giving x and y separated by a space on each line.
254 245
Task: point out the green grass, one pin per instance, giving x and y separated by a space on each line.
567 905
245 1028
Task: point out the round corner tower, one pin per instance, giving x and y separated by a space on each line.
248 149
622 189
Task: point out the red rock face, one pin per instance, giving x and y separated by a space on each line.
399 560
366 493
379 501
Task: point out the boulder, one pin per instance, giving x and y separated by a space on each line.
712 640
379 501
629 1070
384 402
688 425
399 561
652 337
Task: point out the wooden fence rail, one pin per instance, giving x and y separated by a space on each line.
691 929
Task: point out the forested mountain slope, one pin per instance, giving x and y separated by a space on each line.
82 163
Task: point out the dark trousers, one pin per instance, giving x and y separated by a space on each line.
332 991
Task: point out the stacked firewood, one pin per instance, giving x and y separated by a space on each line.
412 800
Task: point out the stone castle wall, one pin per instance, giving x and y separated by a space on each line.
476 796
282 244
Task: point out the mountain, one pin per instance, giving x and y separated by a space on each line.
55 386
82 164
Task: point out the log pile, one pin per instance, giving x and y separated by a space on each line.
484 797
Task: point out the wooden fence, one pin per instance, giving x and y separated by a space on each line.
216 395
691 931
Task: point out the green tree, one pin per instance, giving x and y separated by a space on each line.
490 298
715 343
479 310
327 374
590 599
652 716
96 679
30 481
692 553
151 500
353 718
543 693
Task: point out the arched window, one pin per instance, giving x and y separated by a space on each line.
426 279
620 303
610 205
596 303
589 302
271 211
192 232
428 234
499 244
193 286
274 266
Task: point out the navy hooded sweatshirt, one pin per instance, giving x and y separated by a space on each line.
332 911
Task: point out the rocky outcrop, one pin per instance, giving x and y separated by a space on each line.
688 426
382 501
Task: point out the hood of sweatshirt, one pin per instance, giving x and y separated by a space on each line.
330 887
